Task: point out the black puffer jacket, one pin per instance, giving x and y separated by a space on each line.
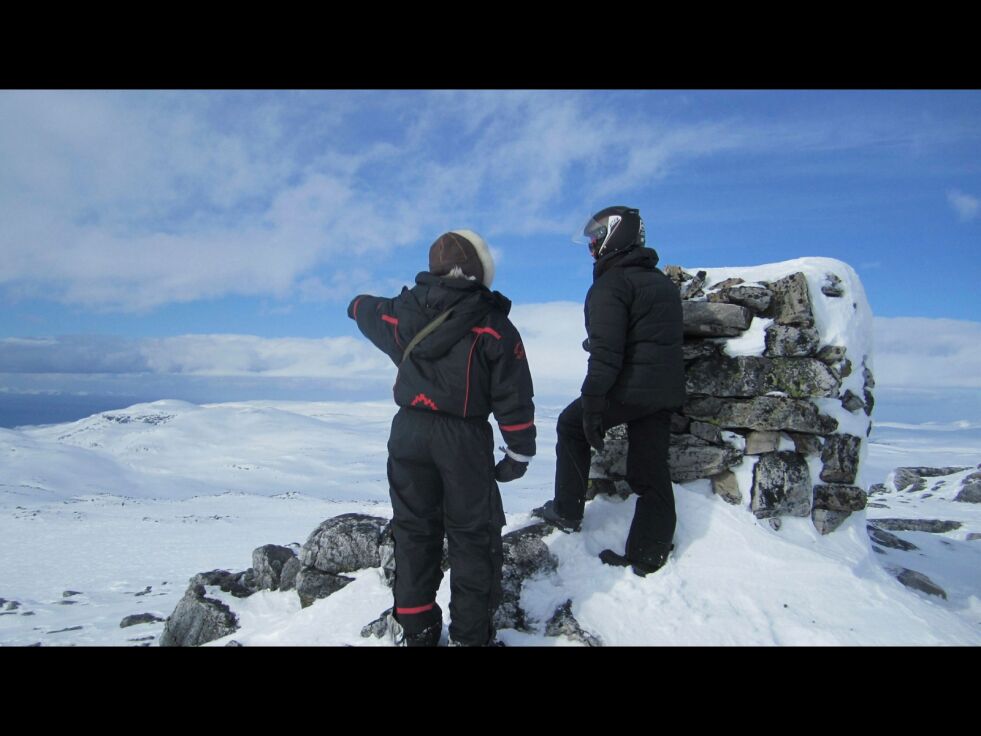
634 324
472 365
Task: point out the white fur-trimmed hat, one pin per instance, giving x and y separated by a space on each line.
463 249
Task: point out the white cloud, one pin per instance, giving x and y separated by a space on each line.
923 353
964 205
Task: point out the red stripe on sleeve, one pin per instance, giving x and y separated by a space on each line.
517 427
390 320
487 331
356 302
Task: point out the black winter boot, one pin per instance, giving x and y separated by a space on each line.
426 638
652 561
549 515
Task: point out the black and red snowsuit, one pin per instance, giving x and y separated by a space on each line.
441 447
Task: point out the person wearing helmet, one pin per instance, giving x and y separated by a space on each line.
635 376
460 359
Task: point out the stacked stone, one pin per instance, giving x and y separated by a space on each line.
759 407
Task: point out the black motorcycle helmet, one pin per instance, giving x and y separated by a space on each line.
612 229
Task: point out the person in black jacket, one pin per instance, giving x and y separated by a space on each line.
635 376
441 471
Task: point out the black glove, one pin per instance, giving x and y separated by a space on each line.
592 420
509 469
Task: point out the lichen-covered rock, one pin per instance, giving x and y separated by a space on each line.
831 354
755 298
677 274
709 319
840 457
525 555
198 619
970 489
919 581
851 402
726 485
139 618
690 458
344 543
268 562
747 376
781 485
695 349
791 303
693 287
761 413
563 623
707 432
832 497
381 627
806 444
313 584
287 578
788 341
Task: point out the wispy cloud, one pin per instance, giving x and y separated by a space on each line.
925 353
964 205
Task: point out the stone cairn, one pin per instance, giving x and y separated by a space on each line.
759 407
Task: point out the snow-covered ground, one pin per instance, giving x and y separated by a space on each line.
120 509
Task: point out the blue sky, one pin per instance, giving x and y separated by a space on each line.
135 215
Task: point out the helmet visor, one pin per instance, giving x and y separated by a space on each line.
596 232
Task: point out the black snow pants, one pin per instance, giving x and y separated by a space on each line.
441 480
648 437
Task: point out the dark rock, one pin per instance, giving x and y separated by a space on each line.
344 543
762 413
970 489
934 526
197 618
781 485
695 349
236 583
877 488
806 444
788 341
839 498
690 458
70 593
145 591
386 554
867 376
234 643
268 562
706 432
525 555
851 402
9 605
755 298
826 521
886 539
748 376
919 581
313 584
677 274
840 458
832 286
381 627
791 301
563 623
715 320
693 287
831 354
725 485
869 402
908 478
287 578
139 618
973 536
61 631
728 282
758 442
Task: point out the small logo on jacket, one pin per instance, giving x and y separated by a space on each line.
425 401
519 351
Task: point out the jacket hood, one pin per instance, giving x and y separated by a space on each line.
471 302
634 257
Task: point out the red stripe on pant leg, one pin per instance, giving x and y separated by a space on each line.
517 427
419 609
